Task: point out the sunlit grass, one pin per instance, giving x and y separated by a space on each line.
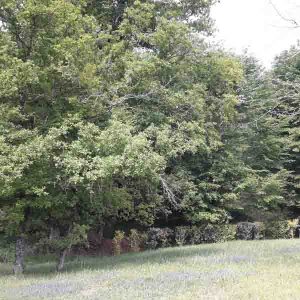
235 270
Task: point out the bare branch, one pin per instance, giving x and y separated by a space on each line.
168 192
293 21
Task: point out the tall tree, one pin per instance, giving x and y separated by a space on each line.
90 115
286 87
46 48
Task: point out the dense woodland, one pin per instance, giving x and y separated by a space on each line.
122 114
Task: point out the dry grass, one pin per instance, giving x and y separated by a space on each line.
235 270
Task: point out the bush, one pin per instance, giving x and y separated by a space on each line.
7 254
227 233
7 251
218 233
293 227
246 231
279 230
195 235
211 233
159 238
136 240
259 231
182 233
116 243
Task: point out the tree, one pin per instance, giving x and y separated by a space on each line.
49 46
87 121
263 146
286 83
116 111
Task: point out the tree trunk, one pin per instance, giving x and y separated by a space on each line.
19 261
61 262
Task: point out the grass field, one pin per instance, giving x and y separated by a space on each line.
235 270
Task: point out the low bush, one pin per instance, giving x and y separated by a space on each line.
134 240
7 253
279 230
259 231
218 233
209 233
159 238
227 232
116 242
294 225
196 235
199 234
137 240
7 250
246 231
182 234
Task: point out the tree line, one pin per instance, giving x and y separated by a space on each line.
121 111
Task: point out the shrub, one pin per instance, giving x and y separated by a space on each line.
211 233
279 230
7 251
227 232
182 233
245 231
7 254
136 240
159 238
293 227
297 229
259 231
116 243
196 235
218 233
144 238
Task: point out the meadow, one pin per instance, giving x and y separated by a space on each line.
266 269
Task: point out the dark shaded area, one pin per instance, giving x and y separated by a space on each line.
41 265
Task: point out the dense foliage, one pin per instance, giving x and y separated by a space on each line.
119 111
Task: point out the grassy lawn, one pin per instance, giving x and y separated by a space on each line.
235 270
